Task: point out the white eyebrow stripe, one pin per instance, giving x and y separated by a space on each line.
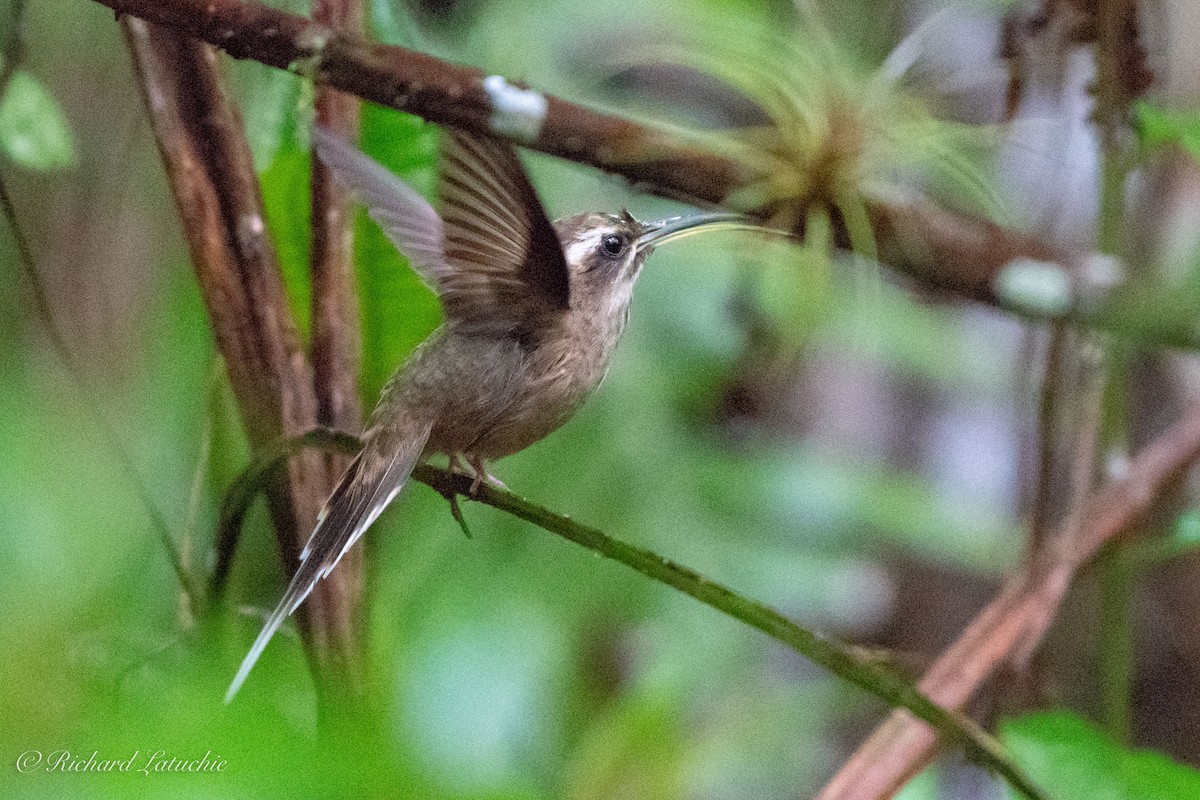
578 249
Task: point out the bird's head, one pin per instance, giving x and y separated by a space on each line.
605 252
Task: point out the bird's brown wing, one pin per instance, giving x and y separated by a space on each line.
403 214
505 270
492 255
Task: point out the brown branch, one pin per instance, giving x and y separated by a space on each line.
1013 624
945 249
1020 682
336 340
1050 403
440 92
335 336
208 164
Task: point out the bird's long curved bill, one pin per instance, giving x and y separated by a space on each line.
668 230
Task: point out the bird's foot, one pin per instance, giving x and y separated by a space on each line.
459 465
479 467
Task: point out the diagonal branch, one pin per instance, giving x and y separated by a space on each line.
208 164
845 661
957 253
1013 624
447 94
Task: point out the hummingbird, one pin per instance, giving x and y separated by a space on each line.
532 311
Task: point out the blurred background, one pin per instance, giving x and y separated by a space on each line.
861 460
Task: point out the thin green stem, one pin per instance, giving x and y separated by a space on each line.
1110 115
840 659
845 661
1116 572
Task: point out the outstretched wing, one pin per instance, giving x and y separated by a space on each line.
404 215
371 481
506 270
492 256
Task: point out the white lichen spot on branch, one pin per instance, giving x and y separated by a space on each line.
516 113
1099 275
1047 288
250 231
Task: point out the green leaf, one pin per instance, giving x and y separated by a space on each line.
1158 126
1074 760
277 105
286 193
272 105
1181 539
636 751
33 130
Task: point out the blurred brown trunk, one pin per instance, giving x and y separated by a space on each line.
208 164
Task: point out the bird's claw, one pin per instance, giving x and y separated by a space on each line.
481 474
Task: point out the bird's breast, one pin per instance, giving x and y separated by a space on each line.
495 395
559 373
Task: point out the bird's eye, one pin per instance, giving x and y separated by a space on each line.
613 244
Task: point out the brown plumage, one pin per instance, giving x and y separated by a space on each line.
532 313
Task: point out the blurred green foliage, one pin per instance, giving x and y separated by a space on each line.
1160 125
511 665
1074 760
33 131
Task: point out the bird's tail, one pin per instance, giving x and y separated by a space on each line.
371 481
